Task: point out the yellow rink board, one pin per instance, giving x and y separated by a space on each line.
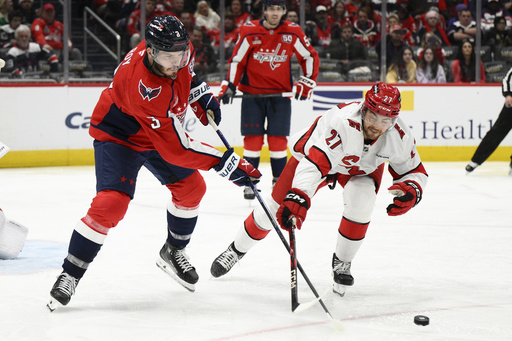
80 157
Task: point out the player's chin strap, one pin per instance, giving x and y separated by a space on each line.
336 323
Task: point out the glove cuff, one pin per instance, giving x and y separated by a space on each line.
294 192
308 81
416 188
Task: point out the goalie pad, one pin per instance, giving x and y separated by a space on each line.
12 237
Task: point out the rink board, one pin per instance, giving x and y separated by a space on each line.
48 125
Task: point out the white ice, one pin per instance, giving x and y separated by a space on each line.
449 258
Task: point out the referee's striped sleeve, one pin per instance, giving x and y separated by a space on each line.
506 83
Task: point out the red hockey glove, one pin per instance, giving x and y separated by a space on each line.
201 100
293 210
408 195
238 170
227 91
304 88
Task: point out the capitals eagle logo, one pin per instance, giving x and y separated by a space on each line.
148 93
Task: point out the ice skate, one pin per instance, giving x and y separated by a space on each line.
174 261
341 275
62 291
225 261
471 167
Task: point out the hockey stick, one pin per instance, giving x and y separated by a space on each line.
293 270
280 94
336 323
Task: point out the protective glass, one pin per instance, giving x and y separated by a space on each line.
378 121
171 60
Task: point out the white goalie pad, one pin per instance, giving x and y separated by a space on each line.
12 237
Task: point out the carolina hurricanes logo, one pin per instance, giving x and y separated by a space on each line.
148 93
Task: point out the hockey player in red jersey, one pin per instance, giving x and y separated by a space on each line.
261 64
138 122
348 145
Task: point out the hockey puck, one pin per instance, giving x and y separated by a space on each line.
421 320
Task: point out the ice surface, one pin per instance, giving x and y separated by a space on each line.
449 258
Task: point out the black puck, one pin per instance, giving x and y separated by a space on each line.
421 320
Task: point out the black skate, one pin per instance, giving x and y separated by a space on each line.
62 290
226 260
471 167
174 261
341 275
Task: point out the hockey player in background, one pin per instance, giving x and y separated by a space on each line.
261 64
138 122
499 130
349 144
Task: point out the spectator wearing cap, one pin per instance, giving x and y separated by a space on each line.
433 25
24 56
394 43
48 32
464 28
492 9
26 7
364 28
319 31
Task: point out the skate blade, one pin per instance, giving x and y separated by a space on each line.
169 270
339 289
52 304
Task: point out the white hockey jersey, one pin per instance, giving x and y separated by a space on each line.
335 144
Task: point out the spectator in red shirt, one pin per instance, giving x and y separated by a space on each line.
319 31
241 16
133 26
364 29
48 32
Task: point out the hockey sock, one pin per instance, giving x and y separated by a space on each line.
180 225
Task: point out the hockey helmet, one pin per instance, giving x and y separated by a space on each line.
383 99
166 33
268 3
169 42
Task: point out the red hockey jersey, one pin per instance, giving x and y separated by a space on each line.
145 112
261 60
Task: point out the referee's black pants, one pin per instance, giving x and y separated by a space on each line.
493 138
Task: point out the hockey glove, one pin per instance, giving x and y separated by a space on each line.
201 101
304 88
238 170
408 195
293 210
227 91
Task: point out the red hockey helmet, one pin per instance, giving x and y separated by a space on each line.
383 99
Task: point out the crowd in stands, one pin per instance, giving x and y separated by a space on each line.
427 41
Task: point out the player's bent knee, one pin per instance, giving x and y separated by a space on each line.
108 208
188 192
359 199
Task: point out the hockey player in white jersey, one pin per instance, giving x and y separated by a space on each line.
349 145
